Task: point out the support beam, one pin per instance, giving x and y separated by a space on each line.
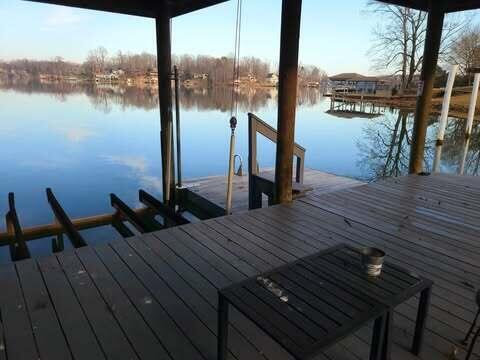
424 101
287 98
164 63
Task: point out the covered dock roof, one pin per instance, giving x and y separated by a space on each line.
145 8
450 5
179 7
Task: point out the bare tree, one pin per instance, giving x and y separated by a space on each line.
96 60
400 37
466 50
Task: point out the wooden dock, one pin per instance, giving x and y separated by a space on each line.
214 188
155 296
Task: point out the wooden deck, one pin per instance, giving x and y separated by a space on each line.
214 188
155 296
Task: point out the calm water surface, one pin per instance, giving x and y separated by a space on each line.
86 142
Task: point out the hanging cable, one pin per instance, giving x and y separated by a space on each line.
234 107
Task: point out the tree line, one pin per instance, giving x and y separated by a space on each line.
98 61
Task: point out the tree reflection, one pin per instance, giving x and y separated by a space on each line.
461 153
384 149
104 96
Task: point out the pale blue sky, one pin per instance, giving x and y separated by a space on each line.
336 35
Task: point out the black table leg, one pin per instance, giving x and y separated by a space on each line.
421 320
387 343
222 348
378 337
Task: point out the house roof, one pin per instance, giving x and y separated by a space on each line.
148 8
353 77
450 5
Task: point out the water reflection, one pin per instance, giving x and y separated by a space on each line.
381 136
106 96
384 148
459 154
87 141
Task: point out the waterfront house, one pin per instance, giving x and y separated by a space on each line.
272 79
200 76
354 83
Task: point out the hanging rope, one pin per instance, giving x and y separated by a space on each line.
236 59
234 106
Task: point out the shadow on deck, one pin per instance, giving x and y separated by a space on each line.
155 296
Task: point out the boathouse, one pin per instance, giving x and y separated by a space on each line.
302 277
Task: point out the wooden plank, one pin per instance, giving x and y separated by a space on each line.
218 263
203 241
339 231
205 284
386 224
122 229
203 272
272 235
441 343
258 245
144 341
109 334
141 224
164 327
205 311
199 206
19 340
80 336
213 187
67 225
18 247
183 316
46 328
171 218
456 231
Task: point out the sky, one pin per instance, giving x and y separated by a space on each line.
336 35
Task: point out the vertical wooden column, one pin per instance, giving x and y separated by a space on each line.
164 63
424 101
287 98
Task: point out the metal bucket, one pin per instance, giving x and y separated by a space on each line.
372 260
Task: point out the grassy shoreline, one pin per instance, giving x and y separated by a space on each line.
459 102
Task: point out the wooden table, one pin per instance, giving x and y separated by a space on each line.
316 301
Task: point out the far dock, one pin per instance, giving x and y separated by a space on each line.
213 188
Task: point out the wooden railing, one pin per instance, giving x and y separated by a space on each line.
258 184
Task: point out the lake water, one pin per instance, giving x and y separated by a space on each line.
86 142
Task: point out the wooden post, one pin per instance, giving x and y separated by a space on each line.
430 58
164 63
287 98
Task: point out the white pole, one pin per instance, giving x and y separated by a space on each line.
437 159
464 156
446 103
473 104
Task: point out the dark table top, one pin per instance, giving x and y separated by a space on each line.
314 302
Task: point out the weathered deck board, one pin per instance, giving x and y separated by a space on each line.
155 295
214 187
